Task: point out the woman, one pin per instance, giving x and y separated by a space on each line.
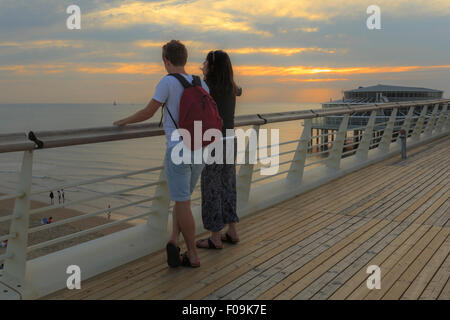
218 181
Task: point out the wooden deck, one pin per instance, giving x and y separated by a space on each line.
394 214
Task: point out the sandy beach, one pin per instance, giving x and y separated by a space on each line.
7 206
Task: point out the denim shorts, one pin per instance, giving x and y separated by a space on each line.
181 178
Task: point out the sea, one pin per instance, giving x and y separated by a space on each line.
54 169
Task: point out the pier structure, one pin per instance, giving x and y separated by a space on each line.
308 232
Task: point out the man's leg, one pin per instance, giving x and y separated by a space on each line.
187 226
175 228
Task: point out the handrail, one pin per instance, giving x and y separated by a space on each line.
63 138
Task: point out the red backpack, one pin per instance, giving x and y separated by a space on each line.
196 105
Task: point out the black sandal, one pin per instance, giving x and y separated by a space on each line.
229 239
173 255
211 245
185 262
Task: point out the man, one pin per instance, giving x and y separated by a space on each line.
51 197
59 197
181 178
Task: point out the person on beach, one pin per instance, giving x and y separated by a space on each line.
62 195
52 196
218 181
59 197
109 212
49 220
181 178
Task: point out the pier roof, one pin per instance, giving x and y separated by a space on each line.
383 87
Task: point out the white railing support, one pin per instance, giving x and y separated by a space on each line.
297 168
245 175
407 123
431 122
386 140
15 265
419 124
334 159
159 218
363 148
442 119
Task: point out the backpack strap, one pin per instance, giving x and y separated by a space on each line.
182 80
162 115
196 82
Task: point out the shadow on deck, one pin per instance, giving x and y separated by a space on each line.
393 214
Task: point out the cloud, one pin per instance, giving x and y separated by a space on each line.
199 15
304 70
279 51
40 44
293 80
242 16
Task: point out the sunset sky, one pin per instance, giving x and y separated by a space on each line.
282 50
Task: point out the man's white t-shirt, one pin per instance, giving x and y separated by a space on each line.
169 90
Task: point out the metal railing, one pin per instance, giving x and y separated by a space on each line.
433 121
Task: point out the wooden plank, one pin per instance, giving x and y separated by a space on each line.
420 282
156 262
128 287
254 248
388 193
295 256
400 196
445 294
245 263
390 276
347 242
419 202
436 285
358 264
320 284
356 287
441 216
402 284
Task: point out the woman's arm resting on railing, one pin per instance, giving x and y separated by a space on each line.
141 115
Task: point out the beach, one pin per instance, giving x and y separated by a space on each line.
59 214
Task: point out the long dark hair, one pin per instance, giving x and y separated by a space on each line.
220 73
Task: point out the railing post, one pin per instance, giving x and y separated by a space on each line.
407 123
442 119
419 124
447 126
245 175
15 265
431 122
159 218
363 149
386 140
334 159
295 174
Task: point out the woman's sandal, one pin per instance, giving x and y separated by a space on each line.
173 255
211 245
185 262
229 239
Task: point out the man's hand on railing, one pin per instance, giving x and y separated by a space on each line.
120 123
